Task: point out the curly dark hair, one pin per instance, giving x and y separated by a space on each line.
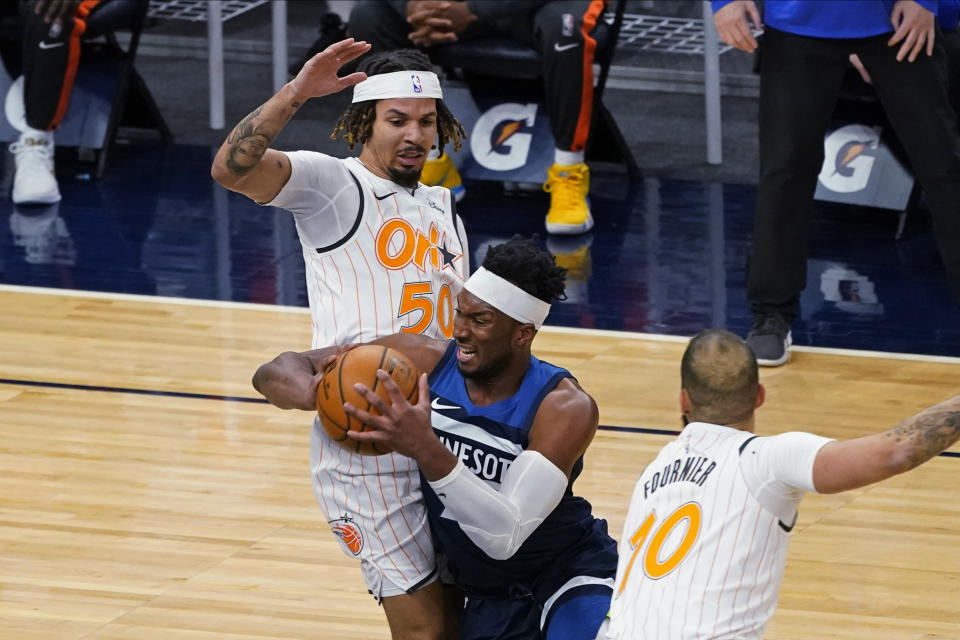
356 123
521 261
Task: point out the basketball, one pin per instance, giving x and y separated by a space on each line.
360 364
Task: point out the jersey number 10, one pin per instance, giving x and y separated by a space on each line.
652 565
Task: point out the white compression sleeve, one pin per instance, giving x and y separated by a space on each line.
500 521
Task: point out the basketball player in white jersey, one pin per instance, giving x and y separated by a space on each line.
705 541
384 254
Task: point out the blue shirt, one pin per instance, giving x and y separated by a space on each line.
487 440
830 18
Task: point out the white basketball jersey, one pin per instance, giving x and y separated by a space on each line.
380 260
705 540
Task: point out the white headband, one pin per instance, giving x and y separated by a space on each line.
398 84
507 297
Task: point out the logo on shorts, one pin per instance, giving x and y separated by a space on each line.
349 533
567 28
417 87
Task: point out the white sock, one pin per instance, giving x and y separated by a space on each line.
30 132
434 154
567 158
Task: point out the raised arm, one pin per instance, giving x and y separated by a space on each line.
856 463
245 162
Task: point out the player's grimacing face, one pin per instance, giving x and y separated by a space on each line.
403 132
483 336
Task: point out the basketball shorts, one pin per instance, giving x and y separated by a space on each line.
569 601
375 508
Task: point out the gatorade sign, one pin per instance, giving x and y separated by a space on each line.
858 168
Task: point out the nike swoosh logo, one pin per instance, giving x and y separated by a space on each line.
386 195
558 47
51 45
436 405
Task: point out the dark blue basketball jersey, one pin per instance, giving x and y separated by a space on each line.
487 440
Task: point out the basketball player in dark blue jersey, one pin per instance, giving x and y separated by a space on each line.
499 436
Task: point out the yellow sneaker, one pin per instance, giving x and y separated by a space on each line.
568 187
443 173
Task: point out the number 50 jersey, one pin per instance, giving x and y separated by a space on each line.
380 258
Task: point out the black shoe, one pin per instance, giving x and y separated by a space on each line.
769 338
332 29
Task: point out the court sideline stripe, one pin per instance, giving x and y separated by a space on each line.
211 396
623 335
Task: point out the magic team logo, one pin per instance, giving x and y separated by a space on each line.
399 245
498 141
849 157
417 86
348 533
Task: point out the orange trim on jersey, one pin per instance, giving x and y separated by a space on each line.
74 44
586 92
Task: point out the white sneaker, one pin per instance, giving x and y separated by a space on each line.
34 181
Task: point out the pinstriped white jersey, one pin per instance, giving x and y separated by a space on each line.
705 540
379 260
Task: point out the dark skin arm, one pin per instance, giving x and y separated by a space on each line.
290 380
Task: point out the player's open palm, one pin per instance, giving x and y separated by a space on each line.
403 426
319 76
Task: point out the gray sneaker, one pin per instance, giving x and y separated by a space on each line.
769 338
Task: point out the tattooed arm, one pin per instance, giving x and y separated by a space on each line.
856 463
245 162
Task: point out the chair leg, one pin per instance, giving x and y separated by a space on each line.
607 143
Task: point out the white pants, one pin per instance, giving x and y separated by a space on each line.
375 508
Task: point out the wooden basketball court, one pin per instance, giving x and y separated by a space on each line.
148 493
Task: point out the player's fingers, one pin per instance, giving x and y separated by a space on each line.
754 16
437 37
906 46
397 398
896 17
931 34
902 32
443 24
424 389
745 37
918 46
352 79
368 435
367 418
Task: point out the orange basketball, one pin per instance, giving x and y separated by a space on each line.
360 364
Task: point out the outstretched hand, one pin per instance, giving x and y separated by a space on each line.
403 426
914 26
318 77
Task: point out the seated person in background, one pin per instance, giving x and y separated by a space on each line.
49 50
499 447
559 29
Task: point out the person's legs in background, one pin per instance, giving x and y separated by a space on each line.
915 98
562 33
51 52
800 82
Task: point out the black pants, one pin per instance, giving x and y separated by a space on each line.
568 73
800 83
46 58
